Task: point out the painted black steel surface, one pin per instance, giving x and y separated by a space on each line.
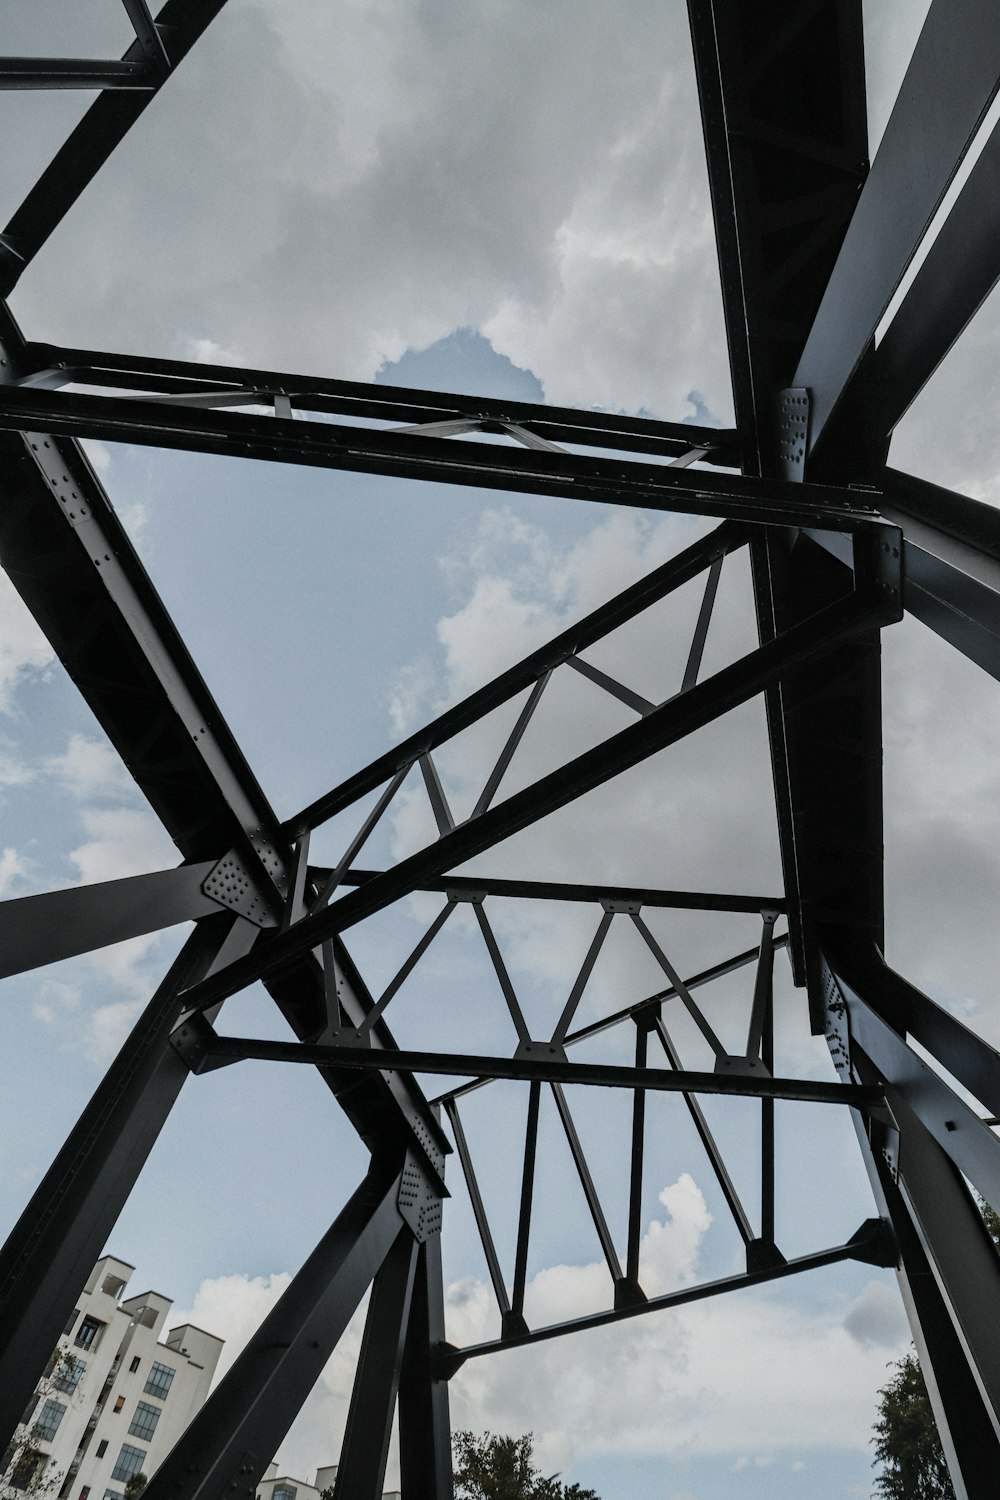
812 246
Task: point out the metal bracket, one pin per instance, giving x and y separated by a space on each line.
793 432
232 885
192 1040
418 1200
876 1244
628 908
545 1051
744 1067
763 1255
838 1030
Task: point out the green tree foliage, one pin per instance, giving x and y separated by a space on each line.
906 1436
906 1439
24 1466
490 1467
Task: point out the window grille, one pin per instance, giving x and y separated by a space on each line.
130 1461
159 1381
143 1424
48 1421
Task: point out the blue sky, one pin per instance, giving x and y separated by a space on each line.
371 201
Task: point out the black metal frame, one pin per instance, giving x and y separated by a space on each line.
812 246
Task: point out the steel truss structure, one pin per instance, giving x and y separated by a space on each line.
812 246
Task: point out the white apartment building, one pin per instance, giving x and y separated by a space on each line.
115 1399
275 1486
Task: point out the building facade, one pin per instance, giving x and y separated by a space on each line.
275 1486
116 1395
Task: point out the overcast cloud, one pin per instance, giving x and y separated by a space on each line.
324 187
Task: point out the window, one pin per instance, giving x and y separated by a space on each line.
28 1410
67 1376
130 1461
135 1364
47 1425
85 1492
159 1382
119 1403
102 1447
72 1320
27 1469
113 1495
143 1424
284 1492
89 1334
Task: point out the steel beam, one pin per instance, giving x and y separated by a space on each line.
876 602
424 1422
958 1131
967 1434
966 1056
955 278
52 1248
68 556
938 1223
366 450
829 749
951 575
558 890
36 930
204 1050
93 140
73 73
232 1439
365 1450
949 85
868 1245
433 411
782 92
532 668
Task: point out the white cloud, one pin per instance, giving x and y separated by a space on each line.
401 171
15 871
698 816
92 769
98 453
56 1000
745 1375
24 651
106 1028
233 1307
120 841
876 1319
208 352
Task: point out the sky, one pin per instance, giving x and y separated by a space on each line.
508 199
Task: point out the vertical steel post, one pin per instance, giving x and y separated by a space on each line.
363 1457
234 1436
424 1419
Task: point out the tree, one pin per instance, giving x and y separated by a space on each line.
24 1466
906 1439
906 1436
491 1467
135 1486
